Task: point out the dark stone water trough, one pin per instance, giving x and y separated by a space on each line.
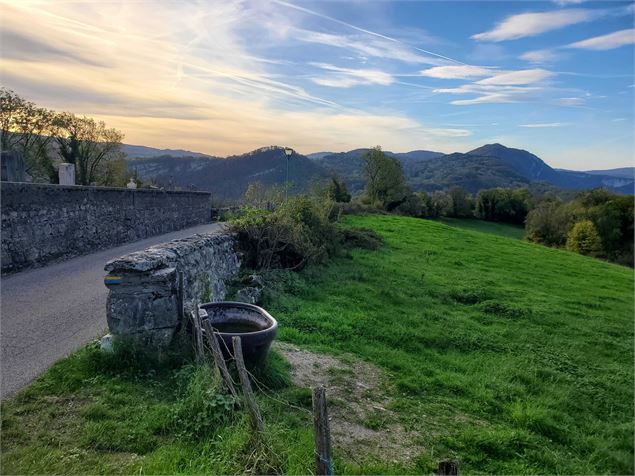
255 327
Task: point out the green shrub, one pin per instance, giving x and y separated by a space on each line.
549 223
361 238
414 205
296 233
584 239
338 192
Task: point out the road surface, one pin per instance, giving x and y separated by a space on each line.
49 312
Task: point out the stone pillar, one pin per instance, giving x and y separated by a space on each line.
12 164
67 174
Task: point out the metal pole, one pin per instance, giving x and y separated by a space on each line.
286 182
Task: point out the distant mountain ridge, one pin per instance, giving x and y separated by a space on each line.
622 172
229 177
142 152
491 165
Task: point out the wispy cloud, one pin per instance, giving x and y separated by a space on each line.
364 46
347 77
543 125
531 24
540 56
366 31
525 76
606 42
502 87
568 2
457 72
572 101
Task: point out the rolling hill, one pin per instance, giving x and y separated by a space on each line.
492 165
229 177
141 152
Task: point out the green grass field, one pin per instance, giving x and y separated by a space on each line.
509 356
502 229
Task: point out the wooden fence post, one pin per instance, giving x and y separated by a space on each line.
198 332
448 468
323 463
250 400
221 366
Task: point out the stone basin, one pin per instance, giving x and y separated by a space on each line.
255 327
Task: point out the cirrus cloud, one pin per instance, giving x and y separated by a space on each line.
465 71
531 24
606 42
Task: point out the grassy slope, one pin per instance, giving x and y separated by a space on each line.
502 229
512 357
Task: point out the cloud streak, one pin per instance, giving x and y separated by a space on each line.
532 24
457 72
347 77
606 42
543 125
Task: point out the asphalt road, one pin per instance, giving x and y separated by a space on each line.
49 312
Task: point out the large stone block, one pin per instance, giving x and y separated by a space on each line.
144 302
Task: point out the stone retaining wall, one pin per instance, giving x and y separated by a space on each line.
43 222
144 301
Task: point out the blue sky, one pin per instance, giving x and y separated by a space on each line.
552 77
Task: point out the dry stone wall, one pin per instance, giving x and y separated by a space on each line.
145 302
43 222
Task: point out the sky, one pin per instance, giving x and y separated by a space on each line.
225 77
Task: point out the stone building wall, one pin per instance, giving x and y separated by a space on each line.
43 222
144 299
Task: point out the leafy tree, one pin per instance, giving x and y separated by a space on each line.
28 129
115 174
460 203
614 222
385 184
439 204
594 197
414 205
549 223
338 192
503 204
584 239
88 144
260 196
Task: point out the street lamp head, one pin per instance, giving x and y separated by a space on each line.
288 151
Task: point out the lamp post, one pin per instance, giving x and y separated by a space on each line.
288 152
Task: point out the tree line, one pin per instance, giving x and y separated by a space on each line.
46 138
594 222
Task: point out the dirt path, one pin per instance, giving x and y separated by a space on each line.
362 424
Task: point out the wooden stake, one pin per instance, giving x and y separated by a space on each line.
323 463
448 468
219 360
198 331
250 400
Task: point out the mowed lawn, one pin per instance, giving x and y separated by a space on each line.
508 356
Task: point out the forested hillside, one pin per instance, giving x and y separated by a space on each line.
489 166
